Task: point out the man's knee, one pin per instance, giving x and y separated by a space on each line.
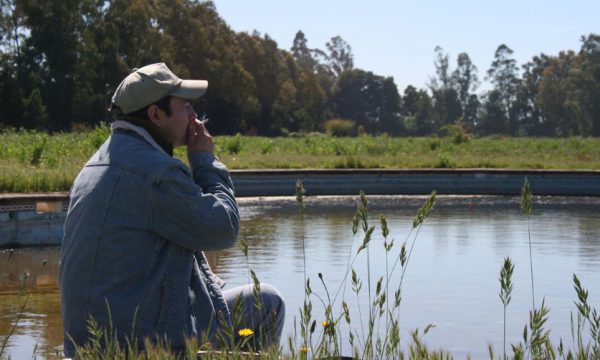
272 298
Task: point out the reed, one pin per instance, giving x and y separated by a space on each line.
506 288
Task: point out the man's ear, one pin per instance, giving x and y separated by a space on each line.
154 115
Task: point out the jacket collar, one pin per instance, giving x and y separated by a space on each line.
125 125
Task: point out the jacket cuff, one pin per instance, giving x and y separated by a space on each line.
200 159
208 171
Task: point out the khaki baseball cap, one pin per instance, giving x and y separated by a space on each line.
151 83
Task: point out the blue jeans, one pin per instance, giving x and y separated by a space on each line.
266 322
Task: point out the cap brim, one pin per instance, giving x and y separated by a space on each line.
190 89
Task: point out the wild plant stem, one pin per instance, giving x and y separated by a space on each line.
370 303
398 258
307 319
14 327
362 327
343 283
412 245
387 294
531 265
504 338
249 282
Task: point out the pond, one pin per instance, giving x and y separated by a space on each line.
451 280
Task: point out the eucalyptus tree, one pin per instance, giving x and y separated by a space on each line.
493 117
53 45
503 74
416 112
558 98
447 108
370 100
303 55
339 56
590 80
443 78
466 82
526 116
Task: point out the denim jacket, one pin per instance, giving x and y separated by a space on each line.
131 257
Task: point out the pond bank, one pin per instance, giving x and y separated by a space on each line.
416 182
36 219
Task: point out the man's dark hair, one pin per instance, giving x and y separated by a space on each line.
140 118
164 104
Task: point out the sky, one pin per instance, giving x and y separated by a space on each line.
398 38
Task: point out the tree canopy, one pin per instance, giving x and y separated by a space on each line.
62 60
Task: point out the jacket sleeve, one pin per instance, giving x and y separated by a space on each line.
199 213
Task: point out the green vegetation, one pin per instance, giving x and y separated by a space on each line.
35 161
55 74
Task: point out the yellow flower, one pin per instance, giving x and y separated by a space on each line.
325 323
304 349
245 332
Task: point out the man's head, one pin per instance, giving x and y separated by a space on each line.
154 93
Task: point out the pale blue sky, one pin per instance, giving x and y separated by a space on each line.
397 38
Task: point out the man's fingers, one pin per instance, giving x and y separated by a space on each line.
200 127
199 139
190 133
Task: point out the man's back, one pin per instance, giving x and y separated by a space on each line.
135 225
138 222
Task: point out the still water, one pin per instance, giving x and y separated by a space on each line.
451 280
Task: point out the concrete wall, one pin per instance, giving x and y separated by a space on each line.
411 182
36 219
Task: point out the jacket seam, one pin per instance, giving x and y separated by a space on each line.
112 193
190 207
152 262
185 202
121 166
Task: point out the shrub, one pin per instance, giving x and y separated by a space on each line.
445 162
457 132
340 127
234 145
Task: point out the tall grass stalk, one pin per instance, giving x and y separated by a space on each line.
307 306
385 231
380 307
589 315
244 245
526 209
23 278
506 288
21 310
368 231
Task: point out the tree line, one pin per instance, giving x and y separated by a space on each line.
62 60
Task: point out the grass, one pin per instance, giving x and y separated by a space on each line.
322 338
33 161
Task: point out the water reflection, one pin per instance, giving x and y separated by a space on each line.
38 266
451 280
29 294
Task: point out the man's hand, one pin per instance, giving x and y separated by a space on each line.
198 138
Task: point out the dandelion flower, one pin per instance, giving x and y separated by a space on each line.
245 332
